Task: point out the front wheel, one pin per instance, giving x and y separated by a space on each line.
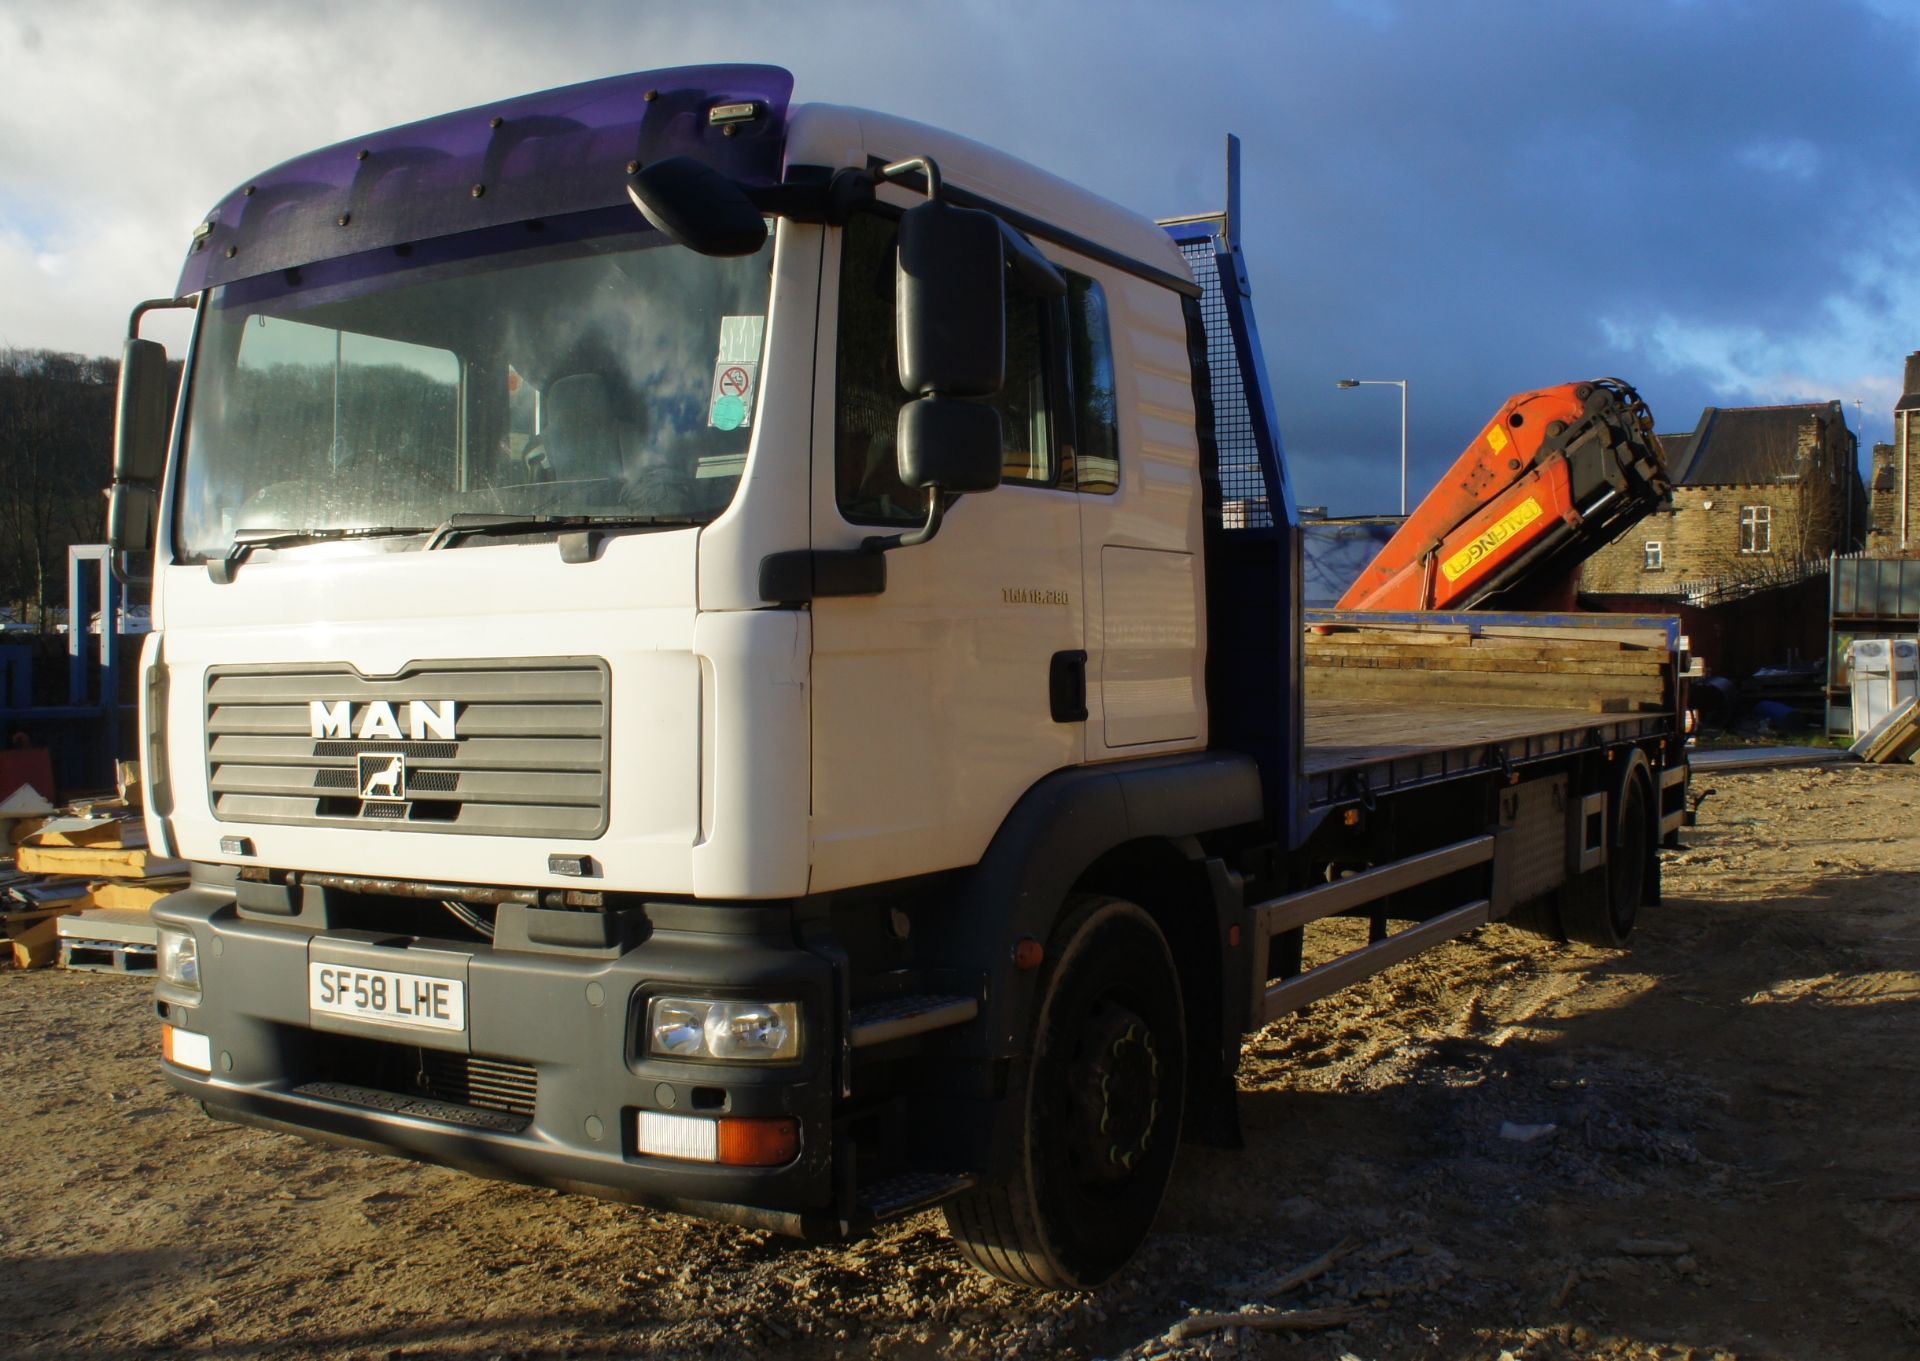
1101 1110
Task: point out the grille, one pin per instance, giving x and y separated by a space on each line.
529 759
1243 485
487 1084
428 1075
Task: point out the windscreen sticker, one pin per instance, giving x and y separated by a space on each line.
1490 539
736 369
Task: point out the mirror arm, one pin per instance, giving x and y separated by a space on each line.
936 508
831 200
156 305
924 165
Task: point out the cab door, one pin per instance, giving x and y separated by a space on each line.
933 705
1129 405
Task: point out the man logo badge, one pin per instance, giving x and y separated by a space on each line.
383 776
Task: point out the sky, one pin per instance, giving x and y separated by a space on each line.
1718 202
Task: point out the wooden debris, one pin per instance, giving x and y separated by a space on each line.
1290 1321
90 855
100 861
127 776
111 832
133 895
1894 738
1299 1276
35 944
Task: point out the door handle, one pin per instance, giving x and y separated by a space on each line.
1067 687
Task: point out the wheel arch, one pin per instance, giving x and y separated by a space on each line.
1086 829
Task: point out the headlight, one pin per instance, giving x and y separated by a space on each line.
712 1028
178 961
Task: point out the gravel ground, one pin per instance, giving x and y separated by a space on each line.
1706 1147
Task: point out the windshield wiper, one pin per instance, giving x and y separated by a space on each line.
458 526
246 540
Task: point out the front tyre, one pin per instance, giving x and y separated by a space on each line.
1101 1111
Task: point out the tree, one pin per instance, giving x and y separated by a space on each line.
56 437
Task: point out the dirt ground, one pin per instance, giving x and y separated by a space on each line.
1731 1168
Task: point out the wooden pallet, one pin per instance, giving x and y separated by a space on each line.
107 956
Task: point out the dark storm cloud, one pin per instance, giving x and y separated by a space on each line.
1711 200
1707 199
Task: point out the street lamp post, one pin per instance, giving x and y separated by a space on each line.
1400 383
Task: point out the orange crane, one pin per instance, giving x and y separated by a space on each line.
1555 476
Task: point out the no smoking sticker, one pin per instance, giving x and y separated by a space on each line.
735 371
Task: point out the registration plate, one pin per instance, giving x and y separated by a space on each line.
388 998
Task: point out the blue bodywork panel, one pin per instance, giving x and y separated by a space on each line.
532 157
1252 527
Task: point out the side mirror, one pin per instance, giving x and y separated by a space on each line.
950 292
949 446
698 207
951 296
139 447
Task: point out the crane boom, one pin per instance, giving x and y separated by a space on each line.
1555 476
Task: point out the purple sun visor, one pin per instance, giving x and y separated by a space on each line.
536 156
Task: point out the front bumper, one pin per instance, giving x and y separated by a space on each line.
563 1026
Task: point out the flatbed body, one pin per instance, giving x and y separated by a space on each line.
1404 743
1360 743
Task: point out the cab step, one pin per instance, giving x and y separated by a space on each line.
895 1018
910 1192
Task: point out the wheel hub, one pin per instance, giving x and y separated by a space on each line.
1117 1094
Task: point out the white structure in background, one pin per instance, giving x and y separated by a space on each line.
1886 673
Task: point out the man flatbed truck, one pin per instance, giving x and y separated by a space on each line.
746 657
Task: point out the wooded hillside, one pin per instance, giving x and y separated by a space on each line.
56 445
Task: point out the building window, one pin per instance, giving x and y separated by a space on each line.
1756 529
1653 562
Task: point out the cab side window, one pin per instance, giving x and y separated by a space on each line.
1096 446
867 482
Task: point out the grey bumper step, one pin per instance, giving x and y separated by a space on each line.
911 1192
417 1107
898 1017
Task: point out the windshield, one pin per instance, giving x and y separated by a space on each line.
599 375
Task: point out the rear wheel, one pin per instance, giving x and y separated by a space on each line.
1600 908
1102 1109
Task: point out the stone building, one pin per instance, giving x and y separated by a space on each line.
1761 495
1894 516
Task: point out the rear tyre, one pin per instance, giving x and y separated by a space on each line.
1101 1111
1600 908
